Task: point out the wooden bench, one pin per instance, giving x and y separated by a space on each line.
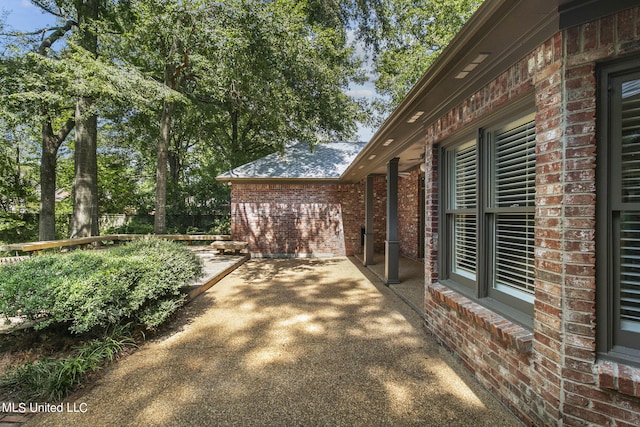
35 247
235 247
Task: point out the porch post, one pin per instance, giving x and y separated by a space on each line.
368 220
392 246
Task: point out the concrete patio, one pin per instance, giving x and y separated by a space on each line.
289 342
411 275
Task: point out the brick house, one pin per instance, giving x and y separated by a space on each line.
526 131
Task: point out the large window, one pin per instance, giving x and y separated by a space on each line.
618 242
488 224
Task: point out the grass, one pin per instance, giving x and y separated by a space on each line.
51 379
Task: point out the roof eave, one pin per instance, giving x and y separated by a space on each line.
284 180
488 17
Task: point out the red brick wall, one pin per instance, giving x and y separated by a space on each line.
320 219
409 214
594 391
549 375
379 212
298 219
431 216
496 350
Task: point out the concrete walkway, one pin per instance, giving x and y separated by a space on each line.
289 342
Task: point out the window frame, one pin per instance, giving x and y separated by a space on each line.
480 290
523 303
451 212
611 341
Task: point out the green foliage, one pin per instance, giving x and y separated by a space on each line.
250 76
221 226
16 227
18 180
417 33
135 225
52 379
154 314
89 289
118 188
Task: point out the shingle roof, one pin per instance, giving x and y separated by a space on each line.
326 161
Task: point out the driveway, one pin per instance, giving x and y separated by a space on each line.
283 343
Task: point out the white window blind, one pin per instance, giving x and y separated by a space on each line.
513 190
631 142
464 205
515 178
514 267
630 214
630 272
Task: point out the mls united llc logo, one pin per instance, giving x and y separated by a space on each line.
35 407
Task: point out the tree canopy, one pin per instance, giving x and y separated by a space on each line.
179 91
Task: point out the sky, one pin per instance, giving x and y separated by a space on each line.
22 15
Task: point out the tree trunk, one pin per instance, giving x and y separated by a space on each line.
170 79
85 184
48 162
49 159
160 219
50 145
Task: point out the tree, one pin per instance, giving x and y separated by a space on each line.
18 167
277 78
417 31
32 85
160 39
42 83
264 73
85 187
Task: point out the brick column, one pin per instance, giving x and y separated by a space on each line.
392 246
368 218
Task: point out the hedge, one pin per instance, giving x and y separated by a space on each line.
141 281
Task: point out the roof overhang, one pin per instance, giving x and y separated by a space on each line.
287 181
499 34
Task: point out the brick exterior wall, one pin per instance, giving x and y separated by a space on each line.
594 391
298 219
550 375
409 214
320 219
379 212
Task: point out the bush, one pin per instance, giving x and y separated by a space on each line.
134 225
140 281
221 226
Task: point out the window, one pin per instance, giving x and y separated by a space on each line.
462 213
488 224
618 238
510 211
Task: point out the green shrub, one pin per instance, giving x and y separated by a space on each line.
133 226
221 226
140 281
52 379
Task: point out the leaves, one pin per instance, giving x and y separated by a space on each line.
87 289
53 379
244 78
419 30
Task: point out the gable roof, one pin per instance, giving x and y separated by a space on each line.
326 161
